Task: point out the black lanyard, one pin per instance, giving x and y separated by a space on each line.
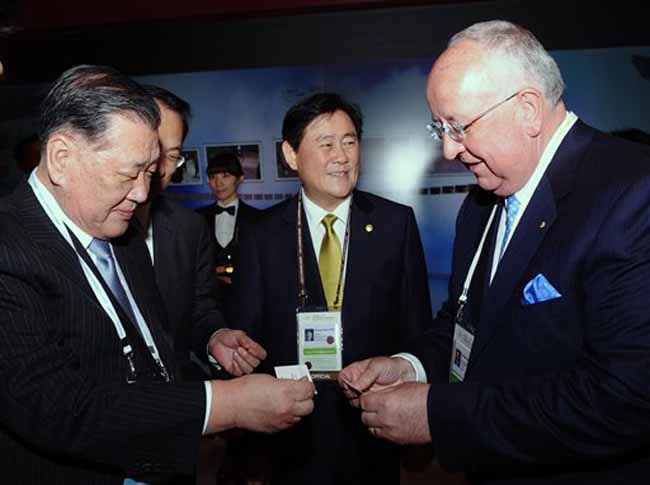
303 297
127 325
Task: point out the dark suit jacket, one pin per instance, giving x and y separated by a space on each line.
386 303
67 415
184 268
556 391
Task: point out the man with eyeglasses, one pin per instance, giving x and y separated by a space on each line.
539 362
90 391
182 253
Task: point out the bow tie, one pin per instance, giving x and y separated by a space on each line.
230 209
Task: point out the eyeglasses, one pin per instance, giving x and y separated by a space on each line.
438 129
179 160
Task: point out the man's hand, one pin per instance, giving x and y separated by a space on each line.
259 403
235 351
398 414
372 375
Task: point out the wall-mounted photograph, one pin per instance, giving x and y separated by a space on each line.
247 153
189 173
283 170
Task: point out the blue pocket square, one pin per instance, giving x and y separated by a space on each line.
537 290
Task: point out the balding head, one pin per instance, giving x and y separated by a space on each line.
527 59
465 74
498 92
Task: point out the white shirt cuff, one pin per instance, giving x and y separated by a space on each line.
211 359
420 373
208 404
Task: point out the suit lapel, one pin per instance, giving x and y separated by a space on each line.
164 238
359 256
538 218
133 258
536 222
45 235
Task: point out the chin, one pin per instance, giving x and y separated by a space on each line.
115 229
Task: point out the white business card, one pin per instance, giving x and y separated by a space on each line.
294 372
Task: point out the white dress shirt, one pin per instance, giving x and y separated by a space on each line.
224 223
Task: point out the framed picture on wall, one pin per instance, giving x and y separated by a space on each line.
282 169
190 172
249 155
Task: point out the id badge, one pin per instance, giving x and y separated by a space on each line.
319 341
460 351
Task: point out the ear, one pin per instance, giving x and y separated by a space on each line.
59 153
532 114
240 179
289 155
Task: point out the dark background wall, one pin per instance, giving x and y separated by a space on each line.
43 37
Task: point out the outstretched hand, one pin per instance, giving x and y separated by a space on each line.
235 351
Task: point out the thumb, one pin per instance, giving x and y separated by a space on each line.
366 380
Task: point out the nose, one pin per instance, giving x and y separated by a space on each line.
340 154
451 148
140 189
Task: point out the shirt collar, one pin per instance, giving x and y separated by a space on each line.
56 213
233 203
315 213
526 192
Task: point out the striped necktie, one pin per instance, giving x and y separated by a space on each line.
101 249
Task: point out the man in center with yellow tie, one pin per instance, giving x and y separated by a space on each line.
328 277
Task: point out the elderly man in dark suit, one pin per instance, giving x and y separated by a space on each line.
539 361
89 389
347 258
182 252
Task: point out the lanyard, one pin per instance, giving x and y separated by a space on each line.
302 288
462 300
57 217
127 349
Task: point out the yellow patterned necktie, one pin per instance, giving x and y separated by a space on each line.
329 261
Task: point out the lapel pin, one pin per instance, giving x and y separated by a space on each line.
370 228
542 224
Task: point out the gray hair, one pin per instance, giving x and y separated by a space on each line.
83 98
523 47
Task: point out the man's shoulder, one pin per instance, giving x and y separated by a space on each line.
620 158
250 211
276 210
369 201
206 210
11 226
177 212
270 220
